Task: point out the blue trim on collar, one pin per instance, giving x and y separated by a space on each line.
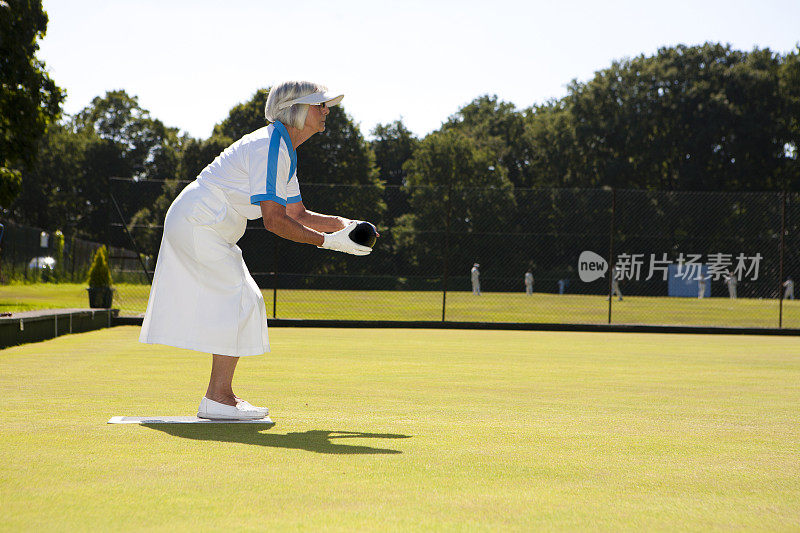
283 132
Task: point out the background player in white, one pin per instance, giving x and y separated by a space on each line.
615 277
528 282
730 281
701 286
475 276
203 297
788 293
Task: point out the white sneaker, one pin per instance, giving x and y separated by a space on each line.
219 411
248 405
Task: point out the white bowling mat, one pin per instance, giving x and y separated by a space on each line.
181 420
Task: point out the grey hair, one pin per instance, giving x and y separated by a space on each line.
295 115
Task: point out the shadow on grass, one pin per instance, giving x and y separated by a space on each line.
318 441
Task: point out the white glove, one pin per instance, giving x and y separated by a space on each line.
340 241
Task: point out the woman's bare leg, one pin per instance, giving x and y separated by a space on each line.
220 386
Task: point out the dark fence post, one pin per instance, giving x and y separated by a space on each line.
446 247
780 276
611 252
2 229
72 254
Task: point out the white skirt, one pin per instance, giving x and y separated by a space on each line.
203 297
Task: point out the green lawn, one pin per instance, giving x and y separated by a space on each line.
28 297
461 306
409 430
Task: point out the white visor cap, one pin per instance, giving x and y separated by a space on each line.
314 99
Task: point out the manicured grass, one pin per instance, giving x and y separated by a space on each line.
28 297
461 306
409 430
32 296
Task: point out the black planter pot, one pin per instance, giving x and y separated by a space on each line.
100 297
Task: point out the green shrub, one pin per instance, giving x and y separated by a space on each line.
99 273
10 183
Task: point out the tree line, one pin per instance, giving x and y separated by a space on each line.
702 118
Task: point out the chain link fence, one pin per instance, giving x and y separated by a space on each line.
669 258
31 255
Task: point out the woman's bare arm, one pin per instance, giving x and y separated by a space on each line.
316 221
277 221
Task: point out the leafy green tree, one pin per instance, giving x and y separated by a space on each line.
694 118
704 118
132 145
68 186
244 118
456 186
498 126
57 188
550 138
29 99
147 149
10 185
197 154
393 145
789 80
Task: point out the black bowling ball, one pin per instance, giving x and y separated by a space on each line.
364 234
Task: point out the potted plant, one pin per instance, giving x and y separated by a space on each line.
100 291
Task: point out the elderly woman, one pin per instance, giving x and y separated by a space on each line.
203 297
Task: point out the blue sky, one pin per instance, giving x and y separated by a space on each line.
190 61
